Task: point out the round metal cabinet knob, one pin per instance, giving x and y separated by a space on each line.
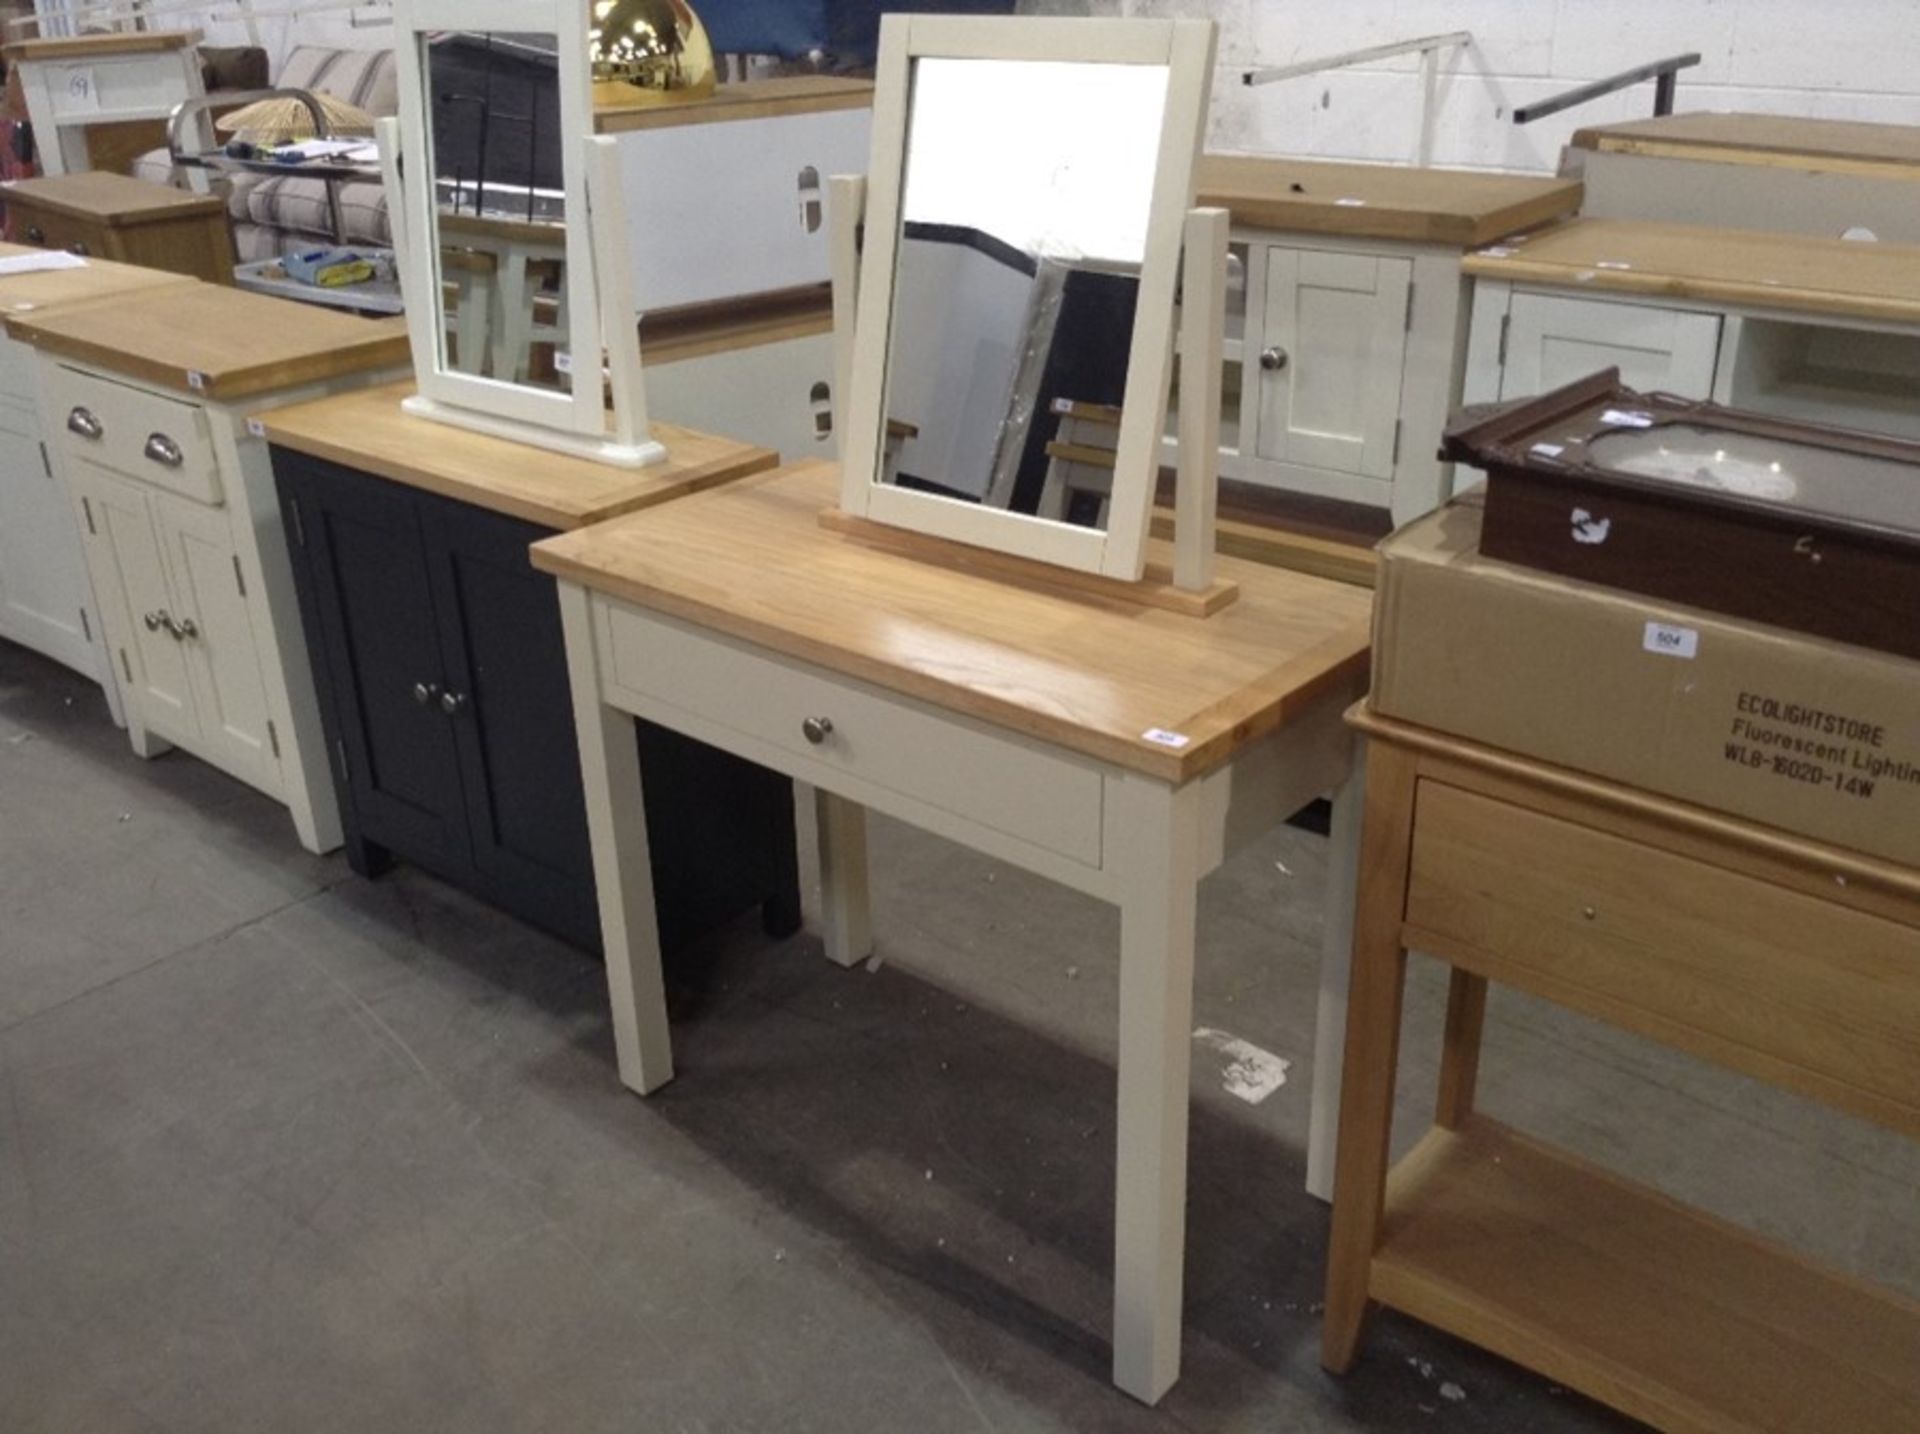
36 235
817 729
79 249
1273 360
425 692
186 628
452 702
157 620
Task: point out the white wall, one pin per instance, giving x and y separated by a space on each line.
1842 59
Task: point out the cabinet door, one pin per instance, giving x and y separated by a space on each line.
1553 341
130 571
506 663
43 577
223 662
358 545
1336 326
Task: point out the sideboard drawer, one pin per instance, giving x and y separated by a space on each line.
1761 977
142 435
836 724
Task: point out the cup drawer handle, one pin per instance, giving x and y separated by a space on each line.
164 451
83 422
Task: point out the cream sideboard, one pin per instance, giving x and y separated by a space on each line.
1347 318
1750 171
1826 330
45 603
145 404
757 370
727 194
74 84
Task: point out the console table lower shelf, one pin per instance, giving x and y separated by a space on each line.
1788 960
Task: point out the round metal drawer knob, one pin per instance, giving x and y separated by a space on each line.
425 692
817 729
1273 360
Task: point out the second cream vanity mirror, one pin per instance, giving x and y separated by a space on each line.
1024 216
510 229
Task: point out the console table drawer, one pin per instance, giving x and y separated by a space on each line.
831 724
141 435
1769 980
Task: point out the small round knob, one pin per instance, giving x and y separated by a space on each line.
1273 360
186 628
157 620
817 729
452 702
77 248
36 235
425 692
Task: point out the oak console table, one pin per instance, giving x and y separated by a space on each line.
1121 750
1779 957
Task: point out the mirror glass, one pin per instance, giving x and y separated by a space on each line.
499 206
1025 205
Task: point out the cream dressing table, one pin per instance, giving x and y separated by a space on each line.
76 83
1122 751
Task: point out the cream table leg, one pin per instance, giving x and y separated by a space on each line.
622 865
1157 829
1336 962
844 910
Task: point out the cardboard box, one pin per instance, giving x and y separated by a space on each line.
1814 737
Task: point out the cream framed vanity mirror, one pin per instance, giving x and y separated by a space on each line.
510 230
1029 186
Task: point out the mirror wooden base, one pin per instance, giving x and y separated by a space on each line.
576 445
1156 589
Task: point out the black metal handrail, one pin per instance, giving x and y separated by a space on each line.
1662 72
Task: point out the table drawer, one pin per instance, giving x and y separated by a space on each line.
157 440
46 230
955 764
1763 978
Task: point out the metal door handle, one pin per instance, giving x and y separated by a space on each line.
1273 360
83 422
164 451
425 692
817 729
451 703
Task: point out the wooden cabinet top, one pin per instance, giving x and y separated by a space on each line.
742 100
1726 266
1381 201
1088 673
114 200
367 430
100 47
217 342
49 289
1846 145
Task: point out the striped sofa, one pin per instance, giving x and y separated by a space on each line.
274 215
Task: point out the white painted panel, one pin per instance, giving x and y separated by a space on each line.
763 394
131 570
715 210
43 576
222 659
1339 320
1553 341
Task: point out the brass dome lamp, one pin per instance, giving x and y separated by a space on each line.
648 51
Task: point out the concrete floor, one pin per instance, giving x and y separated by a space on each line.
285 1150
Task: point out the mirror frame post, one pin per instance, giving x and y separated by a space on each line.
1203 321
846 212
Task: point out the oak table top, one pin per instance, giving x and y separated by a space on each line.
779 95
1089 673
1776 271
80 47
115 200
367 429
1787 140
49 289
218 342
1382 201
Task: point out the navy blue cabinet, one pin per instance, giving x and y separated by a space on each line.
442 673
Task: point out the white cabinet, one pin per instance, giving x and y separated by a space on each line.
1334 352
1545 341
